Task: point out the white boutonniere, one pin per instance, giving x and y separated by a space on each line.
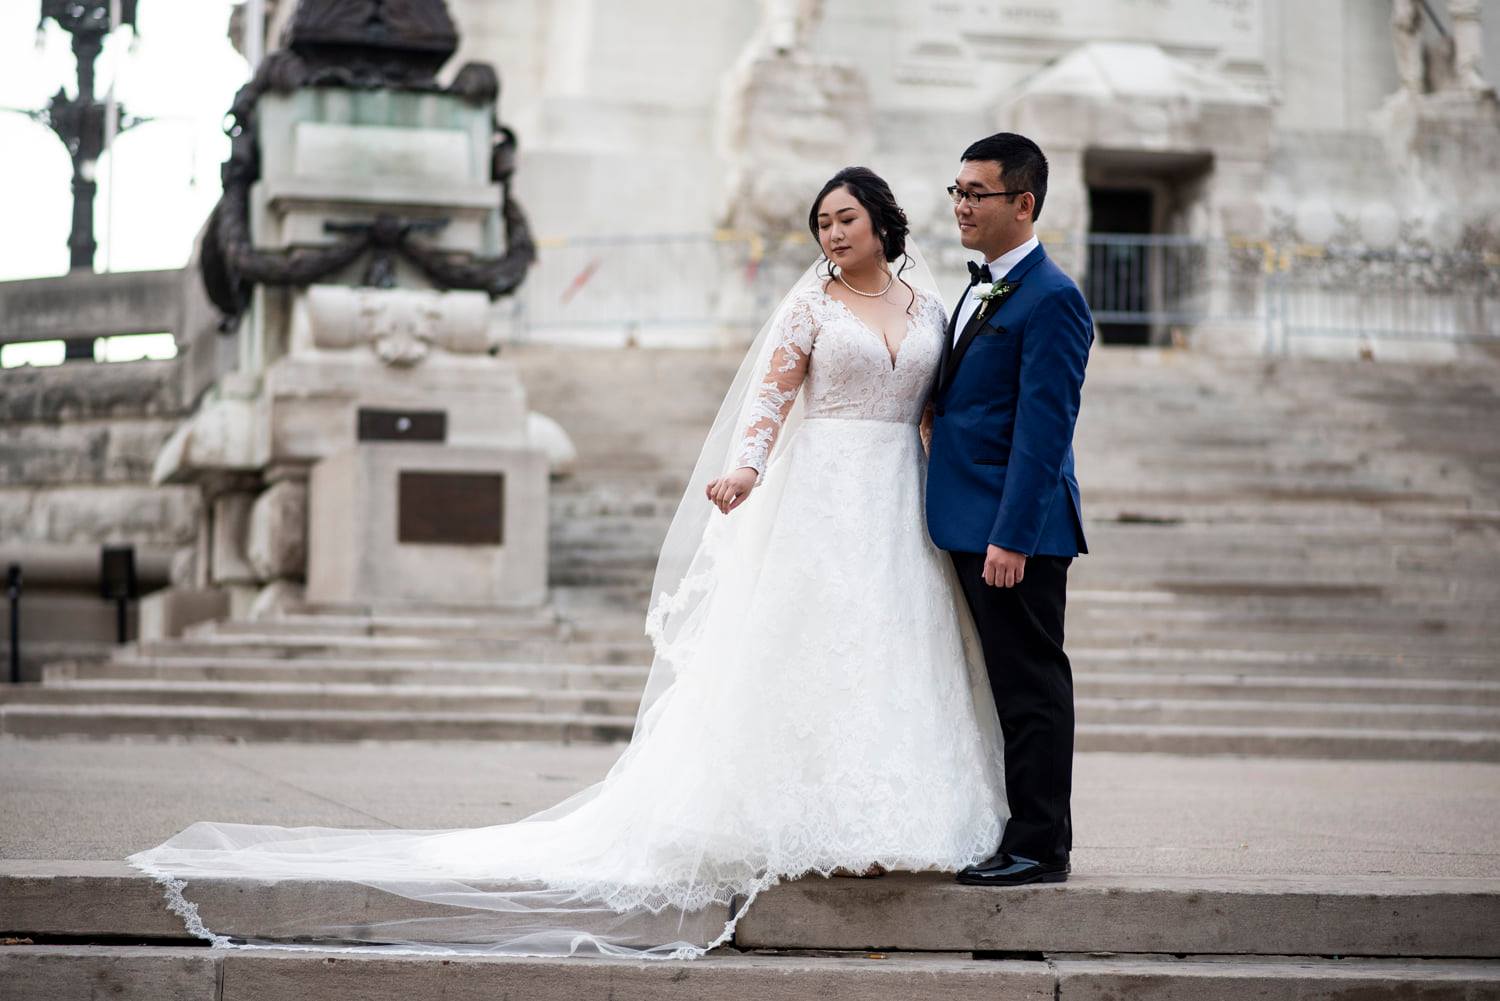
994 295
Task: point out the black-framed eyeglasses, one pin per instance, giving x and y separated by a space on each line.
959 195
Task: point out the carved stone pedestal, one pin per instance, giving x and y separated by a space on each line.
419 525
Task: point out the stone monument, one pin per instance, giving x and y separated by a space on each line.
368 448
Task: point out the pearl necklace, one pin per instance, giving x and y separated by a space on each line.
869 295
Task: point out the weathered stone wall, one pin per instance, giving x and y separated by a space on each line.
77 443
76 452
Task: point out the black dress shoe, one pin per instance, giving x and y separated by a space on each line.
1006 869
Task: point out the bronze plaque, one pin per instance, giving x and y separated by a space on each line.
456 509
402 425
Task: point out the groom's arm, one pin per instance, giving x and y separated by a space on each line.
1054 350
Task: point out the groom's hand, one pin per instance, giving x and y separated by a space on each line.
1003 568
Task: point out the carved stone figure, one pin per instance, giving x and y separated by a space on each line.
1468 47
1406 33
787 113
788 24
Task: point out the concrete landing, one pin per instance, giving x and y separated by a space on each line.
1135 814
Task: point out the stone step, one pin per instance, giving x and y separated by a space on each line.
1290 741
1286 688
296 628
1285 639
1352 540
110 899
1467 646
1255 915
230 723
376 648
1218 709
560 702
534 675
1200 611
104 720
1225 576
1119 684
1339 537
1160 654
445 627
1257 498
178 973
594 612
625 682
184 663
613 541
1391 634
1184 712
1276 614
1304 509
925 912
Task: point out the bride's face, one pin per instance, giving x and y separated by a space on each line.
846 233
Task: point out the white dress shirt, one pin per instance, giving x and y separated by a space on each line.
999 268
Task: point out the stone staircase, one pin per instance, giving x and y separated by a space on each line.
1287 558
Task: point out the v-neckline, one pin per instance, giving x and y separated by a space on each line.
884 344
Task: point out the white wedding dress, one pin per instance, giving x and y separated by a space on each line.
818 701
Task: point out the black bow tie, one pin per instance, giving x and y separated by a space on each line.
979 273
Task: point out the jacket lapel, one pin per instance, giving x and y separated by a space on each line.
952 359
944 362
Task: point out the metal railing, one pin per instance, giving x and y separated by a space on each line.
1146 280
1343 292
1145 288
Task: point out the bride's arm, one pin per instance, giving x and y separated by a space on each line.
769 407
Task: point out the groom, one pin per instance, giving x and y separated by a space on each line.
1001 495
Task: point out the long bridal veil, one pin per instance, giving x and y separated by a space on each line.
632 865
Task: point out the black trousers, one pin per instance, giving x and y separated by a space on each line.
1021 630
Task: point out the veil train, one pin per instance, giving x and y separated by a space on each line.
630 866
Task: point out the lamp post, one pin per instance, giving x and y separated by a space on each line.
80 121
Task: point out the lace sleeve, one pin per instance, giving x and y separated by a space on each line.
793 340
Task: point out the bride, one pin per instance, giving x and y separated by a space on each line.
817 704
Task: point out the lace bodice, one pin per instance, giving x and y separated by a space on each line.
845 366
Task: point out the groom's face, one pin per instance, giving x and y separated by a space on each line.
990 225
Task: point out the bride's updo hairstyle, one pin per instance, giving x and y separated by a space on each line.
886 217
871 191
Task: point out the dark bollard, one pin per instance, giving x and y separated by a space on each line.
13 589
117 583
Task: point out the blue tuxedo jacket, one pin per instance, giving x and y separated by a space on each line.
1004 405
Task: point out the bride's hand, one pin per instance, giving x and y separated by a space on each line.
729 492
